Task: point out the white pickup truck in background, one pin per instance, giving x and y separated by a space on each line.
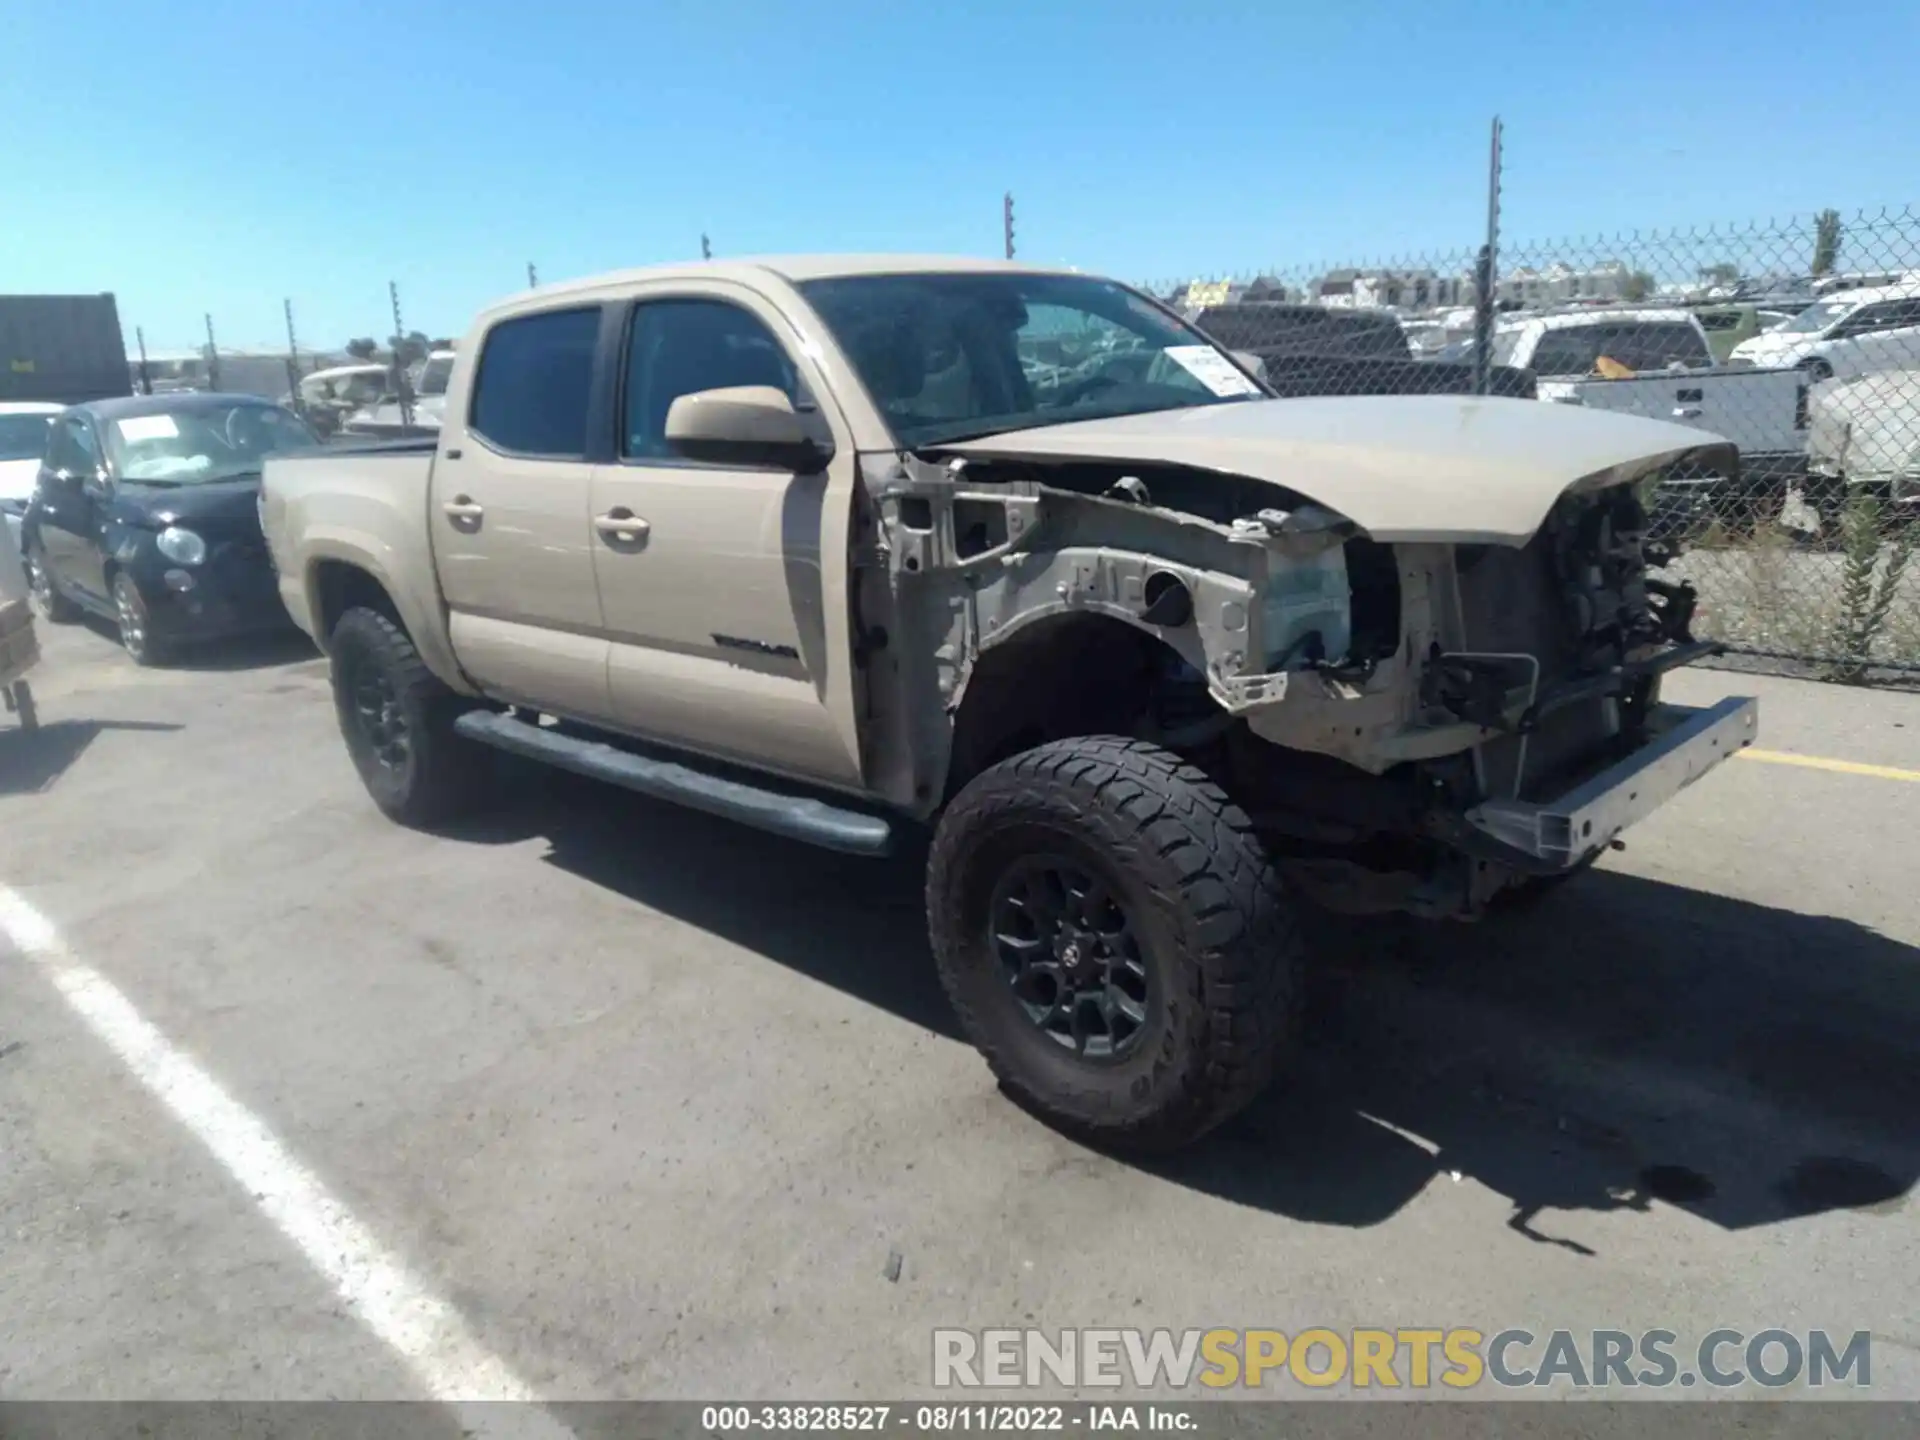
1657 364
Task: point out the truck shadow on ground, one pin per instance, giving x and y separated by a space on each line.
32 760
1629 1041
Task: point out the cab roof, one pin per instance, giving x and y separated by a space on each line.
795 269
1907 289
1621 315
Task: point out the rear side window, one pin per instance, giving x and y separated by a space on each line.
536 374
1638 345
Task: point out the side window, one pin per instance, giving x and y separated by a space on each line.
677 347
72 448
1569 351
536 374
1868 318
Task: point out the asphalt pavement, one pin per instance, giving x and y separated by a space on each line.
598 1098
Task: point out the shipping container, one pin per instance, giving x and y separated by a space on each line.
65 348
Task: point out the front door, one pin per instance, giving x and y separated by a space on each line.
509 517
72 510
722 586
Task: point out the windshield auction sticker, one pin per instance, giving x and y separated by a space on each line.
1212 369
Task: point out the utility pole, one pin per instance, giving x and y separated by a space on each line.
293 357
533 280
706 250
146 379
1486 273
401 388
1006 220
213 358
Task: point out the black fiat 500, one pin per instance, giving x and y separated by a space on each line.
146 512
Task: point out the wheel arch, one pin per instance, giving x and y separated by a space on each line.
338 578
1055 674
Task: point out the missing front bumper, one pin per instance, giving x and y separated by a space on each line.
1684 744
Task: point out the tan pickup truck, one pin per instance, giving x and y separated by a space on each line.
842 546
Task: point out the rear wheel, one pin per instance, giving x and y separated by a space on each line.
46 597
1112 936
397 719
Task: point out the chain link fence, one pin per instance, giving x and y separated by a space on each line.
1798 341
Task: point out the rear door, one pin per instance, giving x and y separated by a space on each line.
508 515
724 586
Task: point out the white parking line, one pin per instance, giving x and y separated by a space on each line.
422 1329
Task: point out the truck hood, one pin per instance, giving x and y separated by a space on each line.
1452 469
1774 348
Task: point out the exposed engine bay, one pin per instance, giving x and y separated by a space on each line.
1359 699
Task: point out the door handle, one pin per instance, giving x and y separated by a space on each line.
461 509
621 526
1686 412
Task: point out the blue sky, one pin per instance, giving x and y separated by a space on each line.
212 156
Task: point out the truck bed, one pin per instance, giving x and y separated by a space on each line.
369 496
1763 412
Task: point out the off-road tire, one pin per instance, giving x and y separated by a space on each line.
1221 939
442 774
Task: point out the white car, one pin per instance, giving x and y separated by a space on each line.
24 427
428 380
1856 332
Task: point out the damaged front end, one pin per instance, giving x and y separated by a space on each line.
1415 725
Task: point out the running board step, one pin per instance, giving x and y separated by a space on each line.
797 817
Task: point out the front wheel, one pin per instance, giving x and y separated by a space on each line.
1113 939
136 623
397 719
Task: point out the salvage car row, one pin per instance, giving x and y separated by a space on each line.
1822 400
852 548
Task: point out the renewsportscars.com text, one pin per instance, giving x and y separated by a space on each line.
1364 1358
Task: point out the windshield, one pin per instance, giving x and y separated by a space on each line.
433 378
1817 317
24 437
207 443
955 356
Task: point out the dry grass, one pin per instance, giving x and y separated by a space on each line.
1771 589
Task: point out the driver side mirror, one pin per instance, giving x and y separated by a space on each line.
744 425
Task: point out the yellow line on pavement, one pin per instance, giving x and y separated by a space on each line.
1821 762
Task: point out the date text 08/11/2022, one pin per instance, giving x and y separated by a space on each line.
942 1419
